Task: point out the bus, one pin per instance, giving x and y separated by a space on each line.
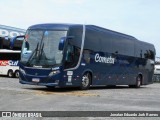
9 62
16 42
75 55
157 66
6 35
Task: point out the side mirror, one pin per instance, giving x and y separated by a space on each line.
62 43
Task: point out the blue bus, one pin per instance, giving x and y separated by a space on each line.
75 55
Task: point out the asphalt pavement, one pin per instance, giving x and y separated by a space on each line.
17 97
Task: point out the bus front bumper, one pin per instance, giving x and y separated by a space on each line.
41 80
37 83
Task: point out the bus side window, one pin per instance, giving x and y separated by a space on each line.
87 56
69 53
72 56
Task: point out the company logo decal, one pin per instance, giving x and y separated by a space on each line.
101 59
8 63
9 33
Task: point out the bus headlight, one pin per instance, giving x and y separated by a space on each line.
22 71
54 72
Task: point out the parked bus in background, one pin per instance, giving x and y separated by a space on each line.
9 61
16 42
6 35
82 55
156 77
157 66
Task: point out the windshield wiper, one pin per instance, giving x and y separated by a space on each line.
41 52
33 54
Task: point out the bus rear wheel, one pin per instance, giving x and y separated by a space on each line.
10 73
138 82
16 74
86 81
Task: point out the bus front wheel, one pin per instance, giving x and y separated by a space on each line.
86 81
10 73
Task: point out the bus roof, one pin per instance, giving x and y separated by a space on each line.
101 29
12 28
53 26
58 26
7 31
67 26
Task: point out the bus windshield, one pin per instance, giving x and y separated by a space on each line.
40 48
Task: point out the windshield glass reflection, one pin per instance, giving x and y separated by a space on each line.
40 48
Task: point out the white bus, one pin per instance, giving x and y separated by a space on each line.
7 37
9 62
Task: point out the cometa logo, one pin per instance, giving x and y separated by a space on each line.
101 59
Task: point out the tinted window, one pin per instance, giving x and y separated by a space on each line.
108 41
123 45
9 56
92 40
76 33
144 50
72 56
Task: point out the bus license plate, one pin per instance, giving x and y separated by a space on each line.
35 79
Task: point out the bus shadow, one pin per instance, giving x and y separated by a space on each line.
76 89
114 87
5 76
60 90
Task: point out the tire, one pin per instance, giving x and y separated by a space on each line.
86 81
138 82
16 74
10 73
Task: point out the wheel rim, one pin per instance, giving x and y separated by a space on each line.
85 81
17 74
138 81
10 74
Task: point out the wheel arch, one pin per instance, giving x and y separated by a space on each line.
10 70
141 75
90 72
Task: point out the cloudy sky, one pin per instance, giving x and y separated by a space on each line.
139 18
